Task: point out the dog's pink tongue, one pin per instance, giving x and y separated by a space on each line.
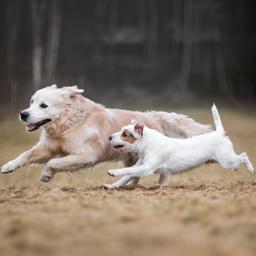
31 127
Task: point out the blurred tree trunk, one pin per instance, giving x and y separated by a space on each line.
164 24
176 28
143 24
198 42
206 63
53 39
153 28
222 82
186 56
13 16
113 12
100 11
37 15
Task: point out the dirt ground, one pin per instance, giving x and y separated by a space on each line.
208 211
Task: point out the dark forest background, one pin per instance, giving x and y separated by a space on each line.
119 51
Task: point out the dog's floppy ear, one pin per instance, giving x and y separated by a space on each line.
53 86
75 90
71 91
139 128
133 121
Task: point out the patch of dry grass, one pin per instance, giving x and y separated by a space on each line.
208 211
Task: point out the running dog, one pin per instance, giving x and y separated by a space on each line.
160 154
75 131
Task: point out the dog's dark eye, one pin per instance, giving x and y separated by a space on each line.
124 134
31 101
43 105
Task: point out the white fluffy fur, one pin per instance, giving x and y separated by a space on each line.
160 154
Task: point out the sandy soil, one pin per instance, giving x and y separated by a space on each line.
208 211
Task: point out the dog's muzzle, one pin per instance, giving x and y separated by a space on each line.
35 126
24 115
118 146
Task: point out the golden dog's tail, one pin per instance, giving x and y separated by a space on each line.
178 125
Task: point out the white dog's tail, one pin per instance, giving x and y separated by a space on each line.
217 120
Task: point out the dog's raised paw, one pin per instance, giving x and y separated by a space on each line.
7 168
45 178
111 173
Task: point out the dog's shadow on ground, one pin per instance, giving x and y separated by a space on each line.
238 185
138 188
125 188
153 188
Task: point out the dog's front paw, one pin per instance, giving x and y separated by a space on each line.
9 167
45 178
111 173
109 186
114 173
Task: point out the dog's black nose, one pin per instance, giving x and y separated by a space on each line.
110 137
24 115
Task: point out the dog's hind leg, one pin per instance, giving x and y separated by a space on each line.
46 174
134 181
245 159
163 179
130 161
230 160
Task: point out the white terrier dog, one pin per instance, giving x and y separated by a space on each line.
160 154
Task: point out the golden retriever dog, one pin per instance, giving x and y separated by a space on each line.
75 131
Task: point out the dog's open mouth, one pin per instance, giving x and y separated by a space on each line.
118 146
35 126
